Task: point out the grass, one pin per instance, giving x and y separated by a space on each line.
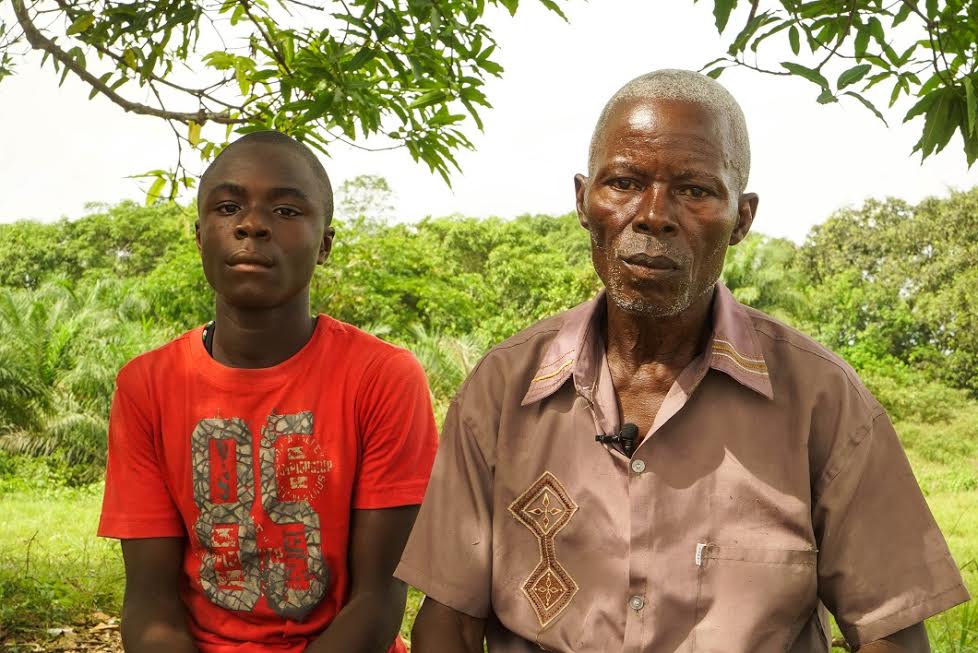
55 572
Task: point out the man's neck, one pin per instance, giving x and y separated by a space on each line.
635 341
256 338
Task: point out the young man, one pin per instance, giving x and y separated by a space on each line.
264 471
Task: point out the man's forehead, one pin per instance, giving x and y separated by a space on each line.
647 116
277 164
676 125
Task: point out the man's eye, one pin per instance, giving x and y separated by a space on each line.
696 192
624 184
226 208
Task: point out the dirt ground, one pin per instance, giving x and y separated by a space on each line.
99 635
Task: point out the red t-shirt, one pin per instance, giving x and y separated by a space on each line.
259 470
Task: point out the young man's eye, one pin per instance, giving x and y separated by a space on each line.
226 208
287 211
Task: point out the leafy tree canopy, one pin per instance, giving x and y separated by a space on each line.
922 49
321 70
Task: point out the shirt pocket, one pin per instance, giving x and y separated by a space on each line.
753 600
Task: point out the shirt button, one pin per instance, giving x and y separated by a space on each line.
638 466
636 603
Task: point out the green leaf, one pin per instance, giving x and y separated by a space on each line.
794 40
104 78
931 9
715 73
903 13
826 97
721 12
193 133
748 32
869 105
155 191
969 91
895 94
922 106
554 7
853 75
81 24
429 98
862 41
810 74
936 125
876 30
360 59
511 6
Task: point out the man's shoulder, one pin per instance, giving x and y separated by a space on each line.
364 359
795 357
359 346
514 361
165 360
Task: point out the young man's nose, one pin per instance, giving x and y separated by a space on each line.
252 225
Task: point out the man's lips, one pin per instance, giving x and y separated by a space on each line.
247 258
660 262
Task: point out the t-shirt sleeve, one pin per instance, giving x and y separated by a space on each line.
449 553
137 502
883 564
398 434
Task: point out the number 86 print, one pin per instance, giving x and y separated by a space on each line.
232 573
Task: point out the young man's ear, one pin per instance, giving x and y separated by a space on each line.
326 246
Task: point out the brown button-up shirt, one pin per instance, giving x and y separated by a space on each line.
771 484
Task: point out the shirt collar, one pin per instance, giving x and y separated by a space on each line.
733 349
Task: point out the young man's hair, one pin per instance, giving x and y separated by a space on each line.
272 137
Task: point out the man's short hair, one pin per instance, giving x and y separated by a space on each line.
278 138
693 87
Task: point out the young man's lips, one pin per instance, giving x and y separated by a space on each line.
249 259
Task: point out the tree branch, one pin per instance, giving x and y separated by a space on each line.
40 42
842 37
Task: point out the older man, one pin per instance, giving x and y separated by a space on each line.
743 477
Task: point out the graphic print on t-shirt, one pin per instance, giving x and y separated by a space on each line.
284 561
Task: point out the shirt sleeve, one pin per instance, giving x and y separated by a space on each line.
398 434
137 502
449 553
883 564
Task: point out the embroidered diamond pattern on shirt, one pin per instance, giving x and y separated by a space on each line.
545 508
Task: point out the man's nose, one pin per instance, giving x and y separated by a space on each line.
253 224
656 215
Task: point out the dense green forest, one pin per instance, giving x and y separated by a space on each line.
888 285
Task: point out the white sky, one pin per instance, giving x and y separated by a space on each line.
61 150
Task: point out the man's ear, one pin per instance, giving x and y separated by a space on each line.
746 210
580 188
197 233
326 246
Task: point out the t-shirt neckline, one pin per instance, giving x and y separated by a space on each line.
242 379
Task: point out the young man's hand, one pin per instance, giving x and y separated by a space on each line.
371 618
441 629
153 616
